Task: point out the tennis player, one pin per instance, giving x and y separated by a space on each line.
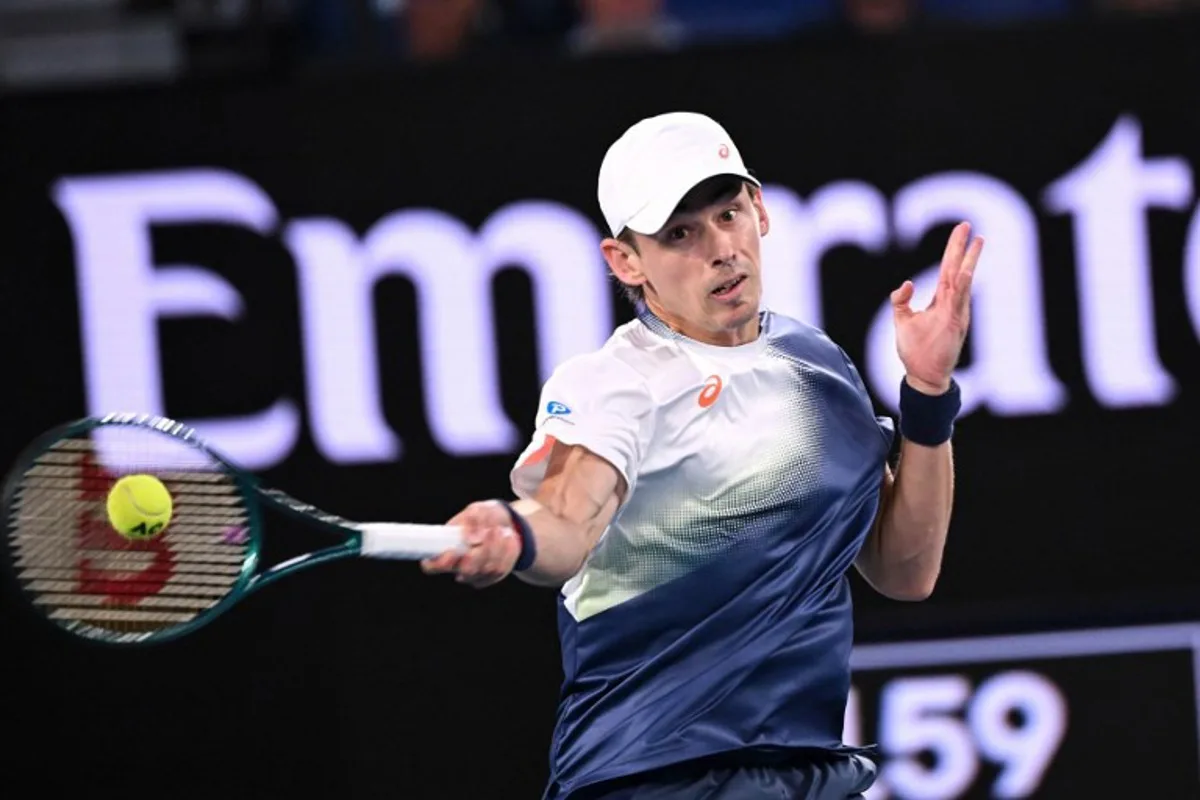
699 489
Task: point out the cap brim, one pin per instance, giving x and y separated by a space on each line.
651 219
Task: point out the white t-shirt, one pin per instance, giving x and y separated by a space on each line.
714 614
705 437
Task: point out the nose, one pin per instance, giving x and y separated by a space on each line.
722 250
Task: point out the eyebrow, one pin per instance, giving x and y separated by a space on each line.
718 195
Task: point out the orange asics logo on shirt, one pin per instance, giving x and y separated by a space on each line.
711 391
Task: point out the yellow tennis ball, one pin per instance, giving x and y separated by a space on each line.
139 506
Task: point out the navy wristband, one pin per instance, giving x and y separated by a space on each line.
528 544
928 419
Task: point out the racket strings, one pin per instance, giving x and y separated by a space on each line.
83 573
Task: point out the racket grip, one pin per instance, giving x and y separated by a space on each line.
409 542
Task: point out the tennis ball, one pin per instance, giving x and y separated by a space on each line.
139 506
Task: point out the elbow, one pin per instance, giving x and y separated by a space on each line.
911 594
909 581
912 589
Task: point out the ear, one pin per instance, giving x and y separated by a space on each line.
624 262
760 209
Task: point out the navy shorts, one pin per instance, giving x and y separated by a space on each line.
823 777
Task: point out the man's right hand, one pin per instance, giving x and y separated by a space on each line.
493 546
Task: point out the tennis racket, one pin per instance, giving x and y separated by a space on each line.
91 581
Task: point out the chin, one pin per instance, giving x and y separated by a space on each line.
744 314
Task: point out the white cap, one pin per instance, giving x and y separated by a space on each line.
657 162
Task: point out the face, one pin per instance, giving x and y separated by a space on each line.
701 272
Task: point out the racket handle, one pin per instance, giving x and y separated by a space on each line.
408 542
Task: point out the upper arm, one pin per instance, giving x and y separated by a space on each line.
592 431
867 561
594 426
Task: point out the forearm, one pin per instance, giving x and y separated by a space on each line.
543 540
912 529
903 555
562 544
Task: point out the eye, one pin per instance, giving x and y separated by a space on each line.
677 234
729 215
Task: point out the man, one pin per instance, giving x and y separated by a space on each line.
700 487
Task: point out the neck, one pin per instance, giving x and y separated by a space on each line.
721 337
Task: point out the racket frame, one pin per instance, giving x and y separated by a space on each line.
249 579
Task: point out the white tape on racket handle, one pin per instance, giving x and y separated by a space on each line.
408 541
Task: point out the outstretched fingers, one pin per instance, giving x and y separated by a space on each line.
965 275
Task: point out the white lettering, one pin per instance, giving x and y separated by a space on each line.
1010 369
339 348
844 213
122 294
452 268
1023 749
1109 194
1191 271
922 715
936 734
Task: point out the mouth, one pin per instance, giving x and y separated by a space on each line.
728 288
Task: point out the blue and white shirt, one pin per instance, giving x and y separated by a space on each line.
714 614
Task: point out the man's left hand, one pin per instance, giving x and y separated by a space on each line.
930 342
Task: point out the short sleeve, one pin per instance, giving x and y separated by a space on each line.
597 402
886 425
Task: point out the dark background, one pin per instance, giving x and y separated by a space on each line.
371 680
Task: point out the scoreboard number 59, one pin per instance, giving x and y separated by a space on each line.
935 732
